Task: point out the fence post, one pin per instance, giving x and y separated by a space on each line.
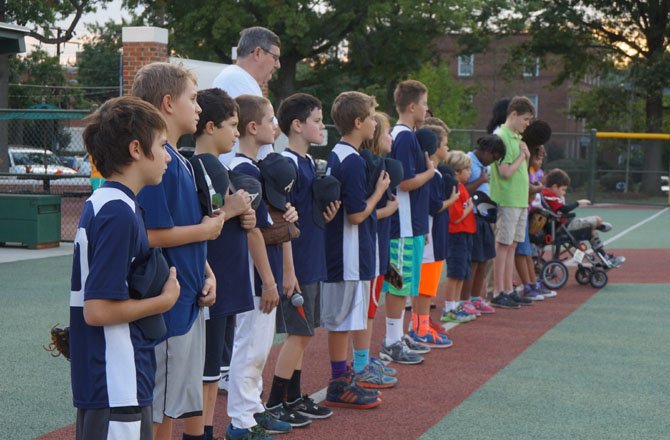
590 189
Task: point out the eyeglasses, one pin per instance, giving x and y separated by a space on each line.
275 57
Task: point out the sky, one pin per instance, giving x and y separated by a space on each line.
114 11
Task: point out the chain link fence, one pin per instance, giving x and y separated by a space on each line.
42 152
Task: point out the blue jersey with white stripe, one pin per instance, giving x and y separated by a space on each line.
111 366
437 247
411 218
350 249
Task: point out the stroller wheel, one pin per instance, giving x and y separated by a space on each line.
554 274
583 275
598 279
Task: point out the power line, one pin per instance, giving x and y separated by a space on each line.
65 87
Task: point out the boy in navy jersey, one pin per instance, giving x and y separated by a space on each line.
113 365
175 223
254 330
409 225
301 119
215 135
350 246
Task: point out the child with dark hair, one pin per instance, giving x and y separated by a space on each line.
498 115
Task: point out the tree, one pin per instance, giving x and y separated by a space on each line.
592 35
99 61
36 79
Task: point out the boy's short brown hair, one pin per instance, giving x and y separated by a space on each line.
217 106
251 110
556 177
458 160
432 120
408 92
440 132
153 81
114 126
521 105
347 107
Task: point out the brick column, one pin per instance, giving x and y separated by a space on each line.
141 45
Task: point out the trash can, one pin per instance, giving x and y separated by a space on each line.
32 220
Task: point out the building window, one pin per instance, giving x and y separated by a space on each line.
466 65
535 100
532 68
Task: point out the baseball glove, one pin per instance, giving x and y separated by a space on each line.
60 342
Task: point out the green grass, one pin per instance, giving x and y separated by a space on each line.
602 373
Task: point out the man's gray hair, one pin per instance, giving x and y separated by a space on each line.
257 36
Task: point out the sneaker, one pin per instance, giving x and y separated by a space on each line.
483 307
399 353
470 308
344 393
539 285
307 407
438 328
605 227
504 302
532 294
253 433
458 316
414 346
284 413
385 368
273 426
616 262
372 377
514 296
224 382
431 339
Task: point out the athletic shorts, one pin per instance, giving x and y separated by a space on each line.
430 278
483 242
344 305
407 255
458 261
126 423
523 248
511 225
217 331
375 294
300 321
180 362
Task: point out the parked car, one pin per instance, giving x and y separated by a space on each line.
84 166
31 160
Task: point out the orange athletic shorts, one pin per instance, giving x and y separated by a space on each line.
430 278
375 293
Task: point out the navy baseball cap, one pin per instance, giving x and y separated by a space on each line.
212 181
325 190
147 281
427 140
375 165
448 178
278 175
249 184
396 174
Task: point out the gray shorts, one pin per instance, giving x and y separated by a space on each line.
511 225
344 305
289 318
180 361
128 423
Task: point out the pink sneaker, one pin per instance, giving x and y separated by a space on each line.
483 307
470 308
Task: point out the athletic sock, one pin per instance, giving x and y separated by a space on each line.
338 368
415 321
361 360
393 331
278 391
193 437
424 325
294 389
475 298
453 305
209 432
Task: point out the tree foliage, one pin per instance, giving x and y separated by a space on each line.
99 61
38 69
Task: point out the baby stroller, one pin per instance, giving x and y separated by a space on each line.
547 228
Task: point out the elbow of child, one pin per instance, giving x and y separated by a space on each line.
92 317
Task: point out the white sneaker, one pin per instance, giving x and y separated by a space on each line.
224 382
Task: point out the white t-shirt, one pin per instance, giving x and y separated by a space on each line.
236 81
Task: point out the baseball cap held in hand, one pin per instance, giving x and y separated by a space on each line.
147 281
325 190
278 177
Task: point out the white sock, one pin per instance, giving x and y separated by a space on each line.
393 331
447 306
453 305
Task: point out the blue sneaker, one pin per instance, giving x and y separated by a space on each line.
378 363
372 377
431 339
254 433
344 393
273 426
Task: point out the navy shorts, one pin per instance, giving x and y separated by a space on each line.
218 330
483 242
523 247
292 321
458 261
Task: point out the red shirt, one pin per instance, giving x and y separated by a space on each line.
468 224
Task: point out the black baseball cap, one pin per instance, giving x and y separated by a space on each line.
249 184
396 174
375 166
448 178
147 281
325 190
427 140
278 177
212 181
484 206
